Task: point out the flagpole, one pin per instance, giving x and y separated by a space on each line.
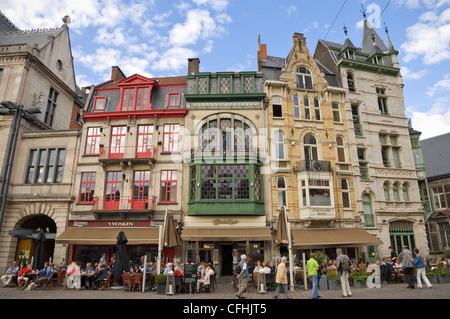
291 260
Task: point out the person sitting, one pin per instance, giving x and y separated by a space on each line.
272 267
206 279
24 277
169 268
266 269
258 266
87 276
46 274
102 275
74 276
137 269
10 274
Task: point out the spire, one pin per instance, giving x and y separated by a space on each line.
391 47
370 36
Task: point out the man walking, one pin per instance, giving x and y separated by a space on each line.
343 264
407 266
420 268
281 279
242 276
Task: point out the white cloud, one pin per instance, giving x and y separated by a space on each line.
443 84
408 74
174 59
217 5
429 38
433 122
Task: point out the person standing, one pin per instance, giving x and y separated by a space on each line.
393 254
312 267
242 276
344 266
420 268
407 266
281 279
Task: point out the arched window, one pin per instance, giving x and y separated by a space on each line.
279 145
396 192
368 212
386 189
281 190
303 78
310 147
307 110
405 192
351 82
340 149
296 101
317 109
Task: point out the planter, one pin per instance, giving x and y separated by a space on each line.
323 283
443 279
333 285
433 279
358 284
161 289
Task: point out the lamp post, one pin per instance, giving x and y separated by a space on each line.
19 112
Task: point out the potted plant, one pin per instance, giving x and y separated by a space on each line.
160 281
334 281
359 278
431 275
443 275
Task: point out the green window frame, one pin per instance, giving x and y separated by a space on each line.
368 211
382 101
396 192
405 192
387 195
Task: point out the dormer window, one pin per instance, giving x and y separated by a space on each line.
303 78
173 99
100 103
135 99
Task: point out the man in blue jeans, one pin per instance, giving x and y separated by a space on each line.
312 266
408 266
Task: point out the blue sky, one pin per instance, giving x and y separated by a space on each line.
156 37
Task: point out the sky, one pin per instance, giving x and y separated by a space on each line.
155 38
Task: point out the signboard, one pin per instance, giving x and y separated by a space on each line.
190 273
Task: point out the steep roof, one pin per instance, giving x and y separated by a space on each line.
436 152
367 43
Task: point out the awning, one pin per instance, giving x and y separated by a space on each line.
108 236
226 234
332 237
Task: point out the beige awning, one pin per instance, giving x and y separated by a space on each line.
333 237
108 236
226 234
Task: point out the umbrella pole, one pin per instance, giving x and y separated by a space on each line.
161 236
291 261
145 273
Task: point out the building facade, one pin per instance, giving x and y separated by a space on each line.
388 197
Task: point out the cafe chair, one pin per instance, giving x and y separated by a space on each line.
137 281
127 281
270 281
105 283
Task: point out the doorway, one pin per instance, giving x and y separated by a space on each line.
227 260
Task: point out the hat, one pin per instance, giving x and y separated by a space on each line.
243 256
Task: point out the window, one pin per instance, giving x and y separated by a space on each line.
307 110
173 99
168 193
279 145
382 101
171 138
100 103
277 107
386 189
317 109
336 112
351 82
128 99
396 192
145 141
136 99
316 192
87 187
357 120
45 166
345 194
51 107
405 192
296 108
310 148
93 141
438 197
140 190
340 149
281 191
368 212
113 190
401 234
303 78
117 149
387 149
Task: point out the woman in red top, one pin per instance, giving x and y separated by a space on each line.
22 279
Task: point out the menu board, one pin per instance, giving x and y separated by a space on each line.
190 273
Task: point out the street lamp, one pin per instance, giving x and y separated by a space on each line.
19 112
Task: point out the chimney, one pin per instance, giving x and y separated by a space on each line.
193 66
117 74
262 55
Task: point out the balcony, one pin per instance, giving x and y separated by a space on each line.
123 205
135 154
312 166
305 86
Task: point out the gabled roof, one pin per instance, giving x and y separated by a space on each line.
436 152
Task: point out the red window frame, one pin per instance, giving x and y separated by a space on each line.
144 141
171 138
141 186
144 100
93 135
113 188
97 98
87 187
117 145
129 98
168 186
168 99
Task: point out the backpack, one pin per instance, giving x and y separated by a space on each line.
346 265
238 269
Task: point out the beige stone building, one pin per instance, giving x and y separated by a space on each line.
387 192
